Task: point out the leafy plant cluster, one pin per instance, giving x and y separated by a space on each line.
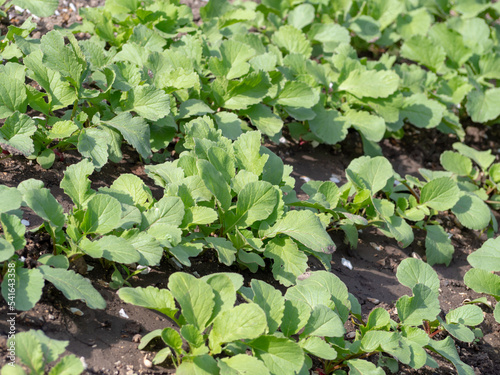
284 333
39 8
269 64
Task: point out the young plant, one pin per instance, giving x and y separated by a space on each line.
285 333
36 352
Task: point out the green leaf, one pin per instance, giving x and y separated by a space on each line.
365 27
16 132
271 301
295 316
301 16
280 355
423 305
151 298
68 365
416 22
247 152
470 315
424 50
214 181
245 321
292 40
422 112
242 364
297 94
456 163
195 297
496 313
46 158
93 144
482 158
370 83
102 216
264 119
149 102
329 126
230 124
73 286
323 322
447 349
487 257
319 348
482 105
225 249
371 126
184 251
224 290
400 229
438 247
198 365
28 288
13 230
68 60
11 199
12 89
482 281
305 227
440 194
233 62
135 188
45 205
250 90
289 261
310 295
370 173
135 130
6 250
150 250
362 367
115 249
40 8
471 211
413 271
29 350
193 107
452 42
172 338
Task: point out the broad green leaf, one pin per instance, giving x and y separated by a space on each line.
102 216
195 297
73 286
440 194
46 158
371 126
424 50
28 288
76 184
29 350
68 365
310 295
482 158
438 247
470 315
447 349
413 271
13 230
16 132
135 130
51 348
184 251
149 248
456 163
452 42
230 124
68 59
115 249
416 22
378 317
422 112
264 119
242 364
168 210
487 257
471 211
198 365
40 8
149 102
423 305
134 187
288 261
305 227
482 105
248 91
482 281
172 338
329 126
233 62
370 173
271 302
56 261
12 89
280 355
400 229
245 321
323 322
319 348
15 369
214 181
292 40
362 367
247 152
6 250
11 199
45 205
225 249
301 16
295 316
297 94
365 27
151 298
496 313
370 83
193 107
93 144
224 291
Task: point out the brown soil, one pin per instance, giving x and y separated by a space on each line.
108 341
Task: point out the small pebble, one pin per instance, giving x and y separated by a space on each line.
373 300
123 314
334 178
346 263
76 311
72 6
351 335
137 338
84 364
56 12
26 223
147 363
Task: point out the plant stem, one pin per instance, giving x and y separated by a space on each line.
413 192
354 356
75 106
